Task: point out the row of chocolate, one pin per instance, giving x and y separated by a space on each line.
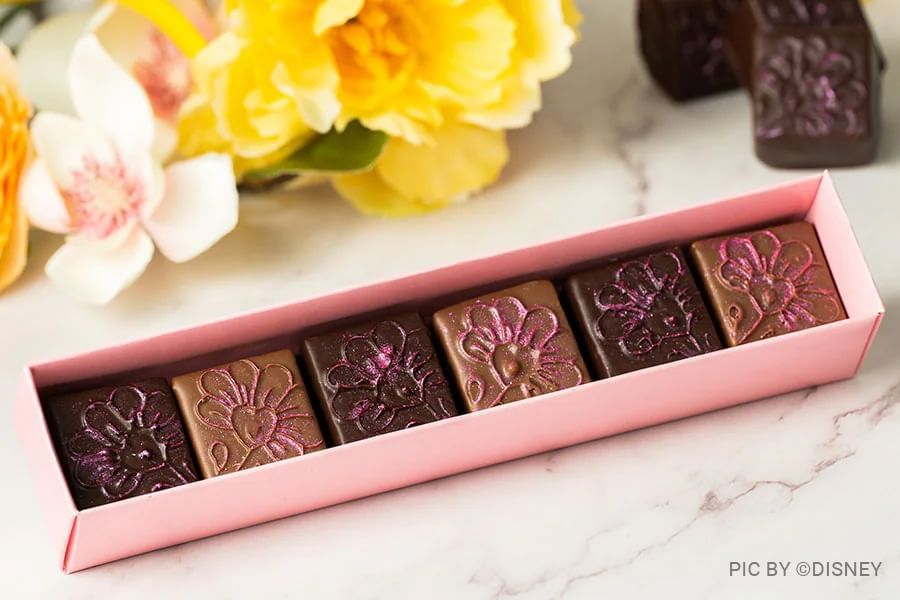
383 376
812 69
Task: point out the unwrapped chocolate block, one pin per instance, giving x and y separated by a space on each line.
378 377
248 413
813 71
510 345
641 312
683 46
119 442
767 282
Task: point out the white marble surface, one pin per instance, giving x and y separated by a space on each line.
660 512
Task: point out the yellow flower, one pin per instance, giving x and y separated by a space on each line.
14 154
410 179
406 66
244 104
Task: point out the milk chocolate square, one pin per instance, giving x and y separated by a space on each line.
813 70
510 345
248 413
683 47
767 282
641 312
377 377
120 441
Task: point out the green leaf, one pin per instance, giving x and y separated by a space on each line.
351 150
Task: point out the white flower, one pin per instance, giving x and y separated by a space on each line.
96 179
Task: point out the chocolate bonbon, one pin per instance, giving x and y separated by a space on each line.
120 441
378 377
813 69
683 47
510 345
641 312
768 282
247 413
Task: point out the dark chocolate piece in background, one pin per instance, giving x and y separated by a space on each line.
377 377
248 413
813 71
121 441
510 345
683 46
641 312
767 282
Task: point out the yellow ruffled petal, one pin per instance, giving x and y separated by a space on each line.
410 179
573 16
12 258
545 34
15 152
369 193
333 13
243 106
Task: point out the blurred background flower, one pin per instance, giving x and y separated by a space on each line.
97 180
403 105
434 76
14 154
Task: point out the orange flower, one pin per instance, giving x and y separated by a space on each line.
15 150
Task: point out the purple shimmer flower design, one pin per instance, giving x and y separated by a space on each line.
519 346
810 88
124 439
778 280
818 13
259 406
649 306
383 373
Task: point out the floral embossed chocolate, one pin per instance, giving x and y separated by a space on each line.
248 413
119 442
809 88
683 46
641 312
510 345
813 71
767 283
378 377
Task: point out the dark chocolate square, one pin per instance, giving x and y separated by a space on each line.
683 46
377 377
641 312
247 413
119 442
813 70
510 345
768 282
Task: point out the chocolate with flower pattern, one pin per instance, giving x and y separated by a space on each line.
119 442
378 377
248 413
641 312
768 282
510 345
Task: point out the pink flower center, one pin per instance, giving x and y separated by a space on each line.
165 76
104 196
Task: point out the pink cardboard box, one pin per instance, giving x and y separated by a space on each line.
84 538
